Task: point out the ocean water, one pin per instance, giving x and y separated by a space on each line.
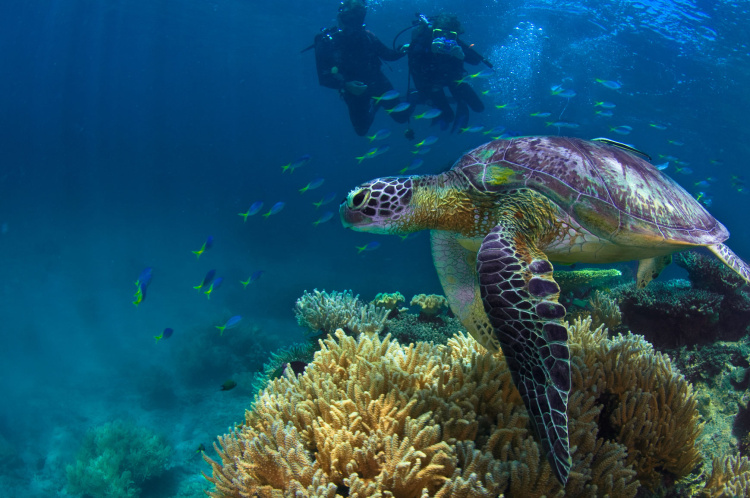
133 130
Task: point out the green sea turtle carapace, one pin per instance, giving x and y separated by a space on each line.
509 207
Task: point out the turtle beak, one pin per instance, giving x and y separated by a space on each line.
351 218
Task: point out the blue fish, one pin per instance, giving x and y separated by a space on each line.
416 163
144 280
275 209
231 323
330 196
613 85
312 185
325 217
426 142
206 280
403 106
368 247
214 285
380 135
621 130
252 278
389 95
297 163
430 114
166 334
205 247
254 208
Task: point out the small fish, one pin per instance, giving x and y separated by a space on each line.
208 244
563 124
275 209
427 141
497 130
621 130
389 95
605 105
676 142
540 114
568 94
141 285
657 126
704 199
231 323
556 89
606 114
213 286
430 114
297 163
416 163
324 217
613 85
380 135
312 185
471 129
662 166
228 385
254 208
508 107
408 236
422 151
373 152
403 106
206 280
683 170
371 246
252 278
667 158
166 334
201 448
330 196
702 184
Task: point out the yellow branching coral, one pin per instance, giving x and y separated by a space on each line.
604 310
730 476
370 417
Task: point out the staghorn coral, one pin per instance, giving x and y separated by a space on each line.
729 476
604 311
115 459
323 312
430 305
370 417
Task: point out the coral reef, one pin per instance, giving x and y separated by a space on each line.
570 280
370 417
430 305
408 328
708 273
115 459
388 300
604 311
321 312
729 477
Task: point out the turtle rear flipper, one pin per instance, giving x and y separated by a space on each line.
520 299
730 259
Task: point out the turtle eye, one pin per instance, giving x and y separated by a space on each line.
359 199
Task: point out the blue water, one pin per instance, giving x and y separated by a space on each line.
133 130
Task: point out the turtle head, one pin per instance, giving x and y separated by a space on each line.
381 206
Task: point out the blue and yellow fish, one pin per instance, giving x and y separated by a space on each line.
144 280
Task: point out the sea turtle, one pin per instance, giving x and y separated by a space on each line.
508 208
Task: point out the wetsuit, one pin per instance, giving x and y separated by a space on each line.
432 72
355 55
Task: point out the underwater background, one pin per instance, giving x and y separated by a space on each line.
132 131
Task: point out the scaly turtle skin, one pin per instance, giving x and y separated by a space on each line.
508 208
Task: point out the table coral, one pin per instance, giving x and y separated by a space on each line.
370 417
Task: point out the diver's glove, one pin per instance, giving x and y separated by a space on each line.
457 52
355 87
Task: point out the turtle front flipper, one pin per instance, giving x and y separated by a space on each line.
456 269
649 269
731 260
520 299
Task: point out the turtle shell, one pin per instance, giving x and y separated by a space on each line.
609 191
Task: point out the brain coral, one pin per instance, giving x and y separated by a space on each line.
370 417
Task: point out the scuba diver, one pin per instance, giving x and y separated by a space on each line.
348 59
436 61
